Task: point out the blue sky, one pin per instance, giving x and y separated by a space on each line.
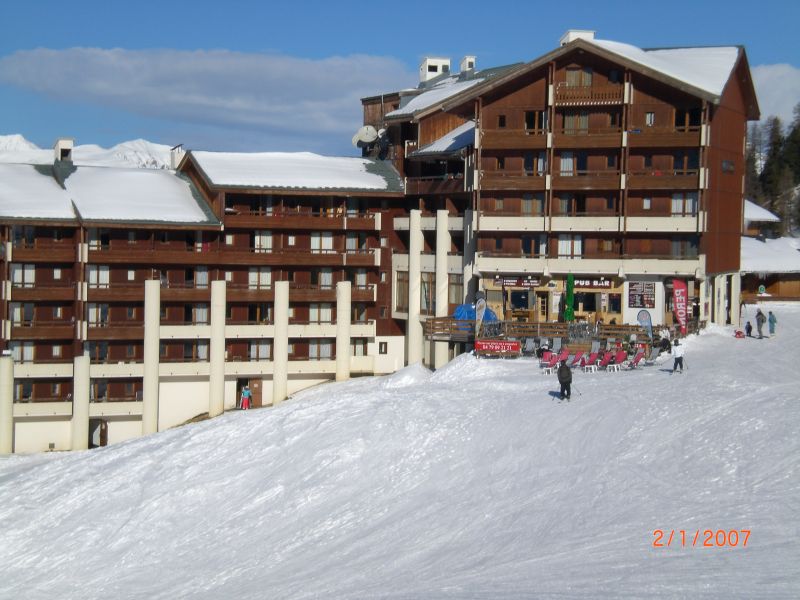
249 76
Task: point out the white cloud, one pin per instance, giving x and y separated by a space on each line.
235 91
778 90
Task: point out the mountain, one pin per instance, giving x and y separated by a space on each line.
135 153
471 482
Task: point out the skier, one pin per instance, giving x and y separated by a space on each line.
677 352
772 322
760 319
565 379
748 329
246 395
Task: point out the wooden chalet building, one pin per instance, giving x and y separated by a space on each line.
134 300
621 166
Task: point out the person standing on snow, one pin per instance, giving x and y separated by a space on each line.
677 352
246 395
565 379
748 330
760 319
772 322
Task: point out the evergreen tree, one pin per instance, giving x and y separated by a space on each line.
752 165
791 147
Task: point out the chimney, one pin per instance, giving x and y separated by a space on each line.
467 64
433 67
62 149
176 154
576 34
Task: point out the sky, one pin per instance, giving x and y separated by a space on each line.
249 76
470 483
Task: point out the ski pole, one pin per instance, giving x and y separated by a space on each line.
577 390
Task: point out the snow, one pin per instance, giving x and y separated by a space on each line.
754 212
135 153
471 482
26 193
440 92
707 68
288 170
770 255
133 195
460 137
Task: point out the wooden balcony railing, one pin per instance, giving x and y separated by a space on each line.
588 94
441 184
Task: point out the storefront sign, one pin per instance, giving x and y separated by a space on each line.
641 294
509 346
510 281
679 301
602 283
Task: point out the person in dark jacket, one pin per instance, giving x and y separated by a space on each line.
760 320
748 329
565 379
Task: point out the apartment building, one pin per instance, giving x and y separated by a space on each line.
134 300
621 166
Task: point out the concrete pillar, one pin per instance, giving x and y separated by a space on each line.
343 331
468 260
414 337
80 402
6 405
216 351
736 299
703 299
440 355
152 340
280 343
719 286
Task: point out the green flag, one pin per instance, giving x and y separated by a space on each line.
569 310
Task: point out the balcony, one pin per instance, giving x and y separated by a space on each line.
606 137
664 137
512 180
309 292
116 330
513 139
42 292
338 220
441 184
586 180
122 252
588 95
596 264
510 221
661 223
45 251
42 330
119 292
455 223
186 291
664 179
362 257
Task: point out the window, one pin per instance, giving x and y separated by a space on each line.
427 293
321 242
684 204
383 276
201 277
131 237
259 350
358 347
57 270
130 351
501 163
55 390
576 122
455 294
131 313
567 164
384 312
163 237
384 242
229 276
646 203
648 161
129 389
58 312
98 276
401 289
262 241
649 118
728 166
614 76
529 163
501 121
611 161
579 76
606 246
498 244
229 239
684 248
320 312
23 275
320 349
569 246
290 240
536 120
359 313
383 348
259 278
56 351
610 203
131 275
499 204
162 350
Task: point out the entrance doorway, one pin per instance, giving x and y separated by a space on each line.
542 306
98 433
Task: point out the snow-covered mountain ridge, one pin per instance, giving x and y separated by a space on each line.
470 482
135 153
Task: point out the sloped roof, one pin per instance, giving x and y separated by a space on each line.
780 255
297 170
453 141
99 194
754 212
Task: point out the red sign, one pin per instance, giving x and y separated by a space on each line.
679 302
510 346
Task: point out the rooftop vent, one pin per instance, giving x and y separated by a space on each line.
467 64
63 149
576 34
433 67
176 154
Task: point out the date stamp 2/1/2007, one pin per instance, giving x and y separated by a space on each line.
701 538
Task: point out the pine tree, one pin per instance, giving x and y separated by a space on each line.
752 165
791 147
772 174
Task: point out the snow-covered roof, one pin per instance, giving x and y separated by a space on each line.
25 192
460 137
135 153
754 212
442 91
99 193
302 170
780 255
706 68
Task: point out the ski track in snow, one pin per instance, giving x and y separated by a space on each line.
470 482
